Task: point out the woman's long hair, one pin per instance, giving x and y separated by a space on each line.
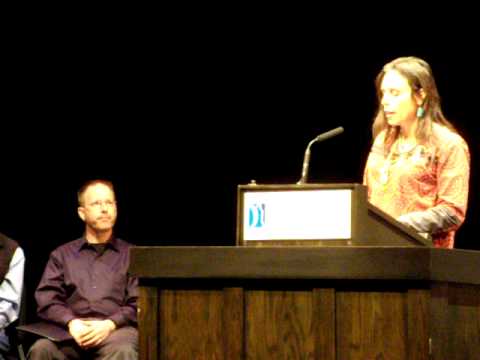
419 76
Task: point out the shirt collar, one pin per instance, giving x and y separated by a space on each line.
112 243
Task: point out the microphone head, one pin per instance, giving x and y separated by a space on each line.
329 134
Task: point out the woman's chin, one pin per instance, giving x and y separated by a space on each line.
392 122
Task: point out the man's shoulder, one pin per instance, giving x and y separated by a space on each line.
69 246
122 243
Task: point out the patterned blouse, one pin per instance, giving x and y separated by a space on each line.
425 187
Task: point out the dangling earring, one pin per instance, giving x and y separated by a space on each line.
420 112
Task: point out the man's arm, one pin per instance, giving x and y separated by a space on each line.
11 289
127 314
51 293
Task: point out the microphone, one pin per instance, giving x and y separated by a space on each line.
306 157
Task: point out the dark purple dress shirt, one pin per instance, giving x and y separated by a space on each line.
79 282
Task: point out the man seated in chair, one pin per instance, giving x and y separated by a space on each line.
87 289
12 263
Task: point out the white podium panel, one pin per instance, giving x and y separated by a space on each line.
306 214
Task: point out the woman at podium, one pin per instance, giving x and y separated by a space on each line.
418 167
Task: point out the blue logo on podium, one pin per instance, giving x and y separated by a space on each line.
256 215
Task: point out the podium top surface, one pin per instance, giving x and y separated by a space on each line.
336 263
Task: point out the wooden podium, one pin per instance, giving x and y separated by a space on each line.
374 301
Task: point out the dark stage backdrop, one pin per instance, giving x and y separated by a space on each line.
177 122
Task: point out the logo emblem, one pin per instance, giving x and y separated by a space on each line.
256 215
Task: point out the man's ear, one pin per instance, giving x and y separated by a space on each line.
81 212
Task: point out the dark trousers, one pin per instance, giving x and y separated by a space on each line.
122 344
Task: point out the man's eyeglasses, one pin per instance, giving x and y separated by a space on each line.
99 204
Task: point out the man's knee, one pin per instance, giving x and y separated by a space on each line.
123 343
119 351
42 348
125 349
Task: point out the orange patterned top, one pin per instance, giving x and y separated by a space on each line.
425 187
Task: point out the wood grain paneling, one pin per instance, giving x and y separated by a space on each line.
456 312
439 333
233 323
279 325
148 321
418 324
192 326
324 323
371 325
